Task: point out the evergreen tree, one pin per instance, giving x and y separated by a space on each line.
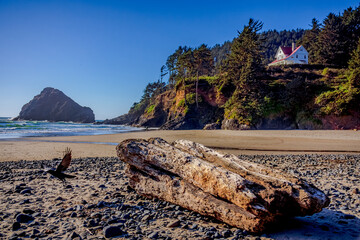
310 40
332 44
203 65
244 68
244 62
184 67
171 64
163 72
351 23
219 54
354 67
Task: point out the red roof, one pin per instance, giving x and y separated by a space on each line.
286 50
292 53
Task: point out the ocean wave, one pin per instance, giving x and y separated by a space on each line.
16 129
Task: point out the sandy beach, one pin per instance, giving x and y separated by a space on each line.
235 142
33 204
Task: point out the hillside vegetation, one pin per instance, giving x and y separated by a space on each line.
230 86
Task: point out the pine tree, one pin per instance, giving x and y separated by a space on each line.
354 67
203 65
310 40
244 63
351 22
331 42
244 69
185 67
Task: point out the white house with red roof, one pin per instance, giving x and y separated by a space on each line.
290 55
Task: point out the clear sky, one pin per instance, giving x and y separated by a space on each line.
103 53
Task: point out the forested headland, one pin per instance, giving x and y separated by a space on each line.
230 86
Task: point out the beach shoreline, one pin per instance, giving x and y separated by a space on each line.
100 193
250 142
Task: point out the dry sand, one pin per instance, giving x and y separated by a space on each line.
236 142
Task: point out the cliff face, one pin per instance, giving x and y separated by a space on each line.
168 110
289 103
53 105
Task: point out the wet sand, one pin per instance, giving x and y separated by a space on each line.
236 142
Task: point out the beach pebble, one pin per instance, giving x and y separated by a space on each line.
25 201
113 231
28 211
79 207
59 199
153 235
24 218
101 204
74 235
27 190
174 224
16 226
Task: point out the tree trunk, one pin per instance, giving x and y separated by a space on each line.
196 89
184 91
242 194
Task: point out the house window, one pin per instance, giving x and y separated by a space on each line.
297 56
305 57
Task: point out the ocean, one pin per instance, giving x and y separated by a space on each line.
20 129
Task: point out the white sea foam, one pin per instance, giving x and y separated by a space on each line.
17 129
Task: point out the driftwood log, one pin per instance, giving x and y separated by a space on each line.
240 193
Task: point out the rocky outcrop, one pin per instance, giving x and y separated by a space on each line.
241 193
212 126
232 124
53 105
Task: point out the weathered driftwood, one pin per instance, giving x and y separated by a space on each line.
240 193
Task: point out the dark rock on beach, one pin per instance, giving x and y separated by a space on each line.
53 105
24 218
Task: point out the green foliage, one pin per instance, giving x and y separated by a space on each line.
181 103
244 63
354 78
152 90
271 106
310 40
354 62
333 41
138 108
325 72
241 109
244 70
203 62
150 109
336 102
220 53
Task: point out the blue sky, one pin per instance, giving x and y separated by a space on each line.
103 53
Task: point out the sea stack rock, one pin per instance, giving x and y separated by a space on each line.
53 105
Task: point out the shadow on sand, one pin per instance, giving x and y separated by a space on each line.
327 224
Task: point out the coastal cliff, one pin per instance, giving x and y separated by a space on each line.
291 102
230 86
53 105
